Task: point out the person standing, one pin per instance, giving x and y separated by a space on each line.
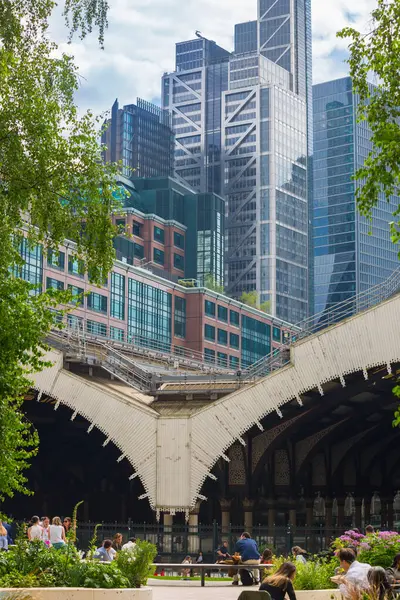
46 530
3 537
248 550
34 531
57 533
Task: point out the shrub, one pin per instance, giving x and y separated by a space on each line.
379 549
136 564
315 574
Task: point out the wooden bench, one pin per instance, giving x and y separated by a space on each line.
208 567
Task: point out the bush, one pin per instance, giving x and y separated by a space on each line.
315 575
377 549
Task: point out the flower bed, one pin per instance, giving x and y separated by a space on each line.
377 549
33 565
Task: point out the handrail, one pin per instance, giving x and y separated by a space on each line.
320 321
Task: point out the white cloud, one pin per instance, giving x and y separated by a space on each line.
140 42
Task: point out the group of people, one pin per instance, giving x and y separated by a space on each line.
52 534
109 548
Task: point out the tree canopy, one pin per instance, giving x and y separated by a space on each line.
53 185
375 53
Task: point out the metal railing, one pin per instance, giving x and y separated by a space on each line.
331 316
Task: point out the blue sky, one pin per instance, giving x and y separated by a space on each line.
140 42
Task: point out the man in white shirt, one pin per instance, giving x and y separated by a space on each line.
131 545
355 573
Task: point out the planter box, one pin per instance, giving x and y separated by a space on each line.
318 594
78 593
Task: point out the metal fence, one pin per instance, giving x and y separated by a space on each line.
173 543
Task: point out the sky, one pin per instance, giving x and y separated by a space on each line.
140 43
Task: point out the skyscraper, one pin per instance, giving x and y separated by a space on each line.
267 146
193 94
140 135
348 259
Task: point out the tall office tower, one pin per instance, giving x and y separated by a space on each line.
246 37
347 259
265 132
140 135
193 94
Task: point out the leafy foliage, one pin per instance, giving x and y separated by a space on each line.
377 549
211 284
315 574
252 299
376 51
53 186
136 564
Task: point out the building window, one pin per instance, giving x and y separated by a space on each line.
121 224
234 340
54 284
209 355
159 235
179 262
137 228
276 334
117 334
180 317
77 294
179 240
209 332
149 316
56 260
234 362
209 308
97 302
223 313
234 318
222 359
75 323
256 340
76 267
158 256
96 328
222 337
138 250
117 309
32 268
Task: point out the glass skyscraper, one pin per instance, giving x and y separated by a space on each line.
140 136
348 259
266 136
193 94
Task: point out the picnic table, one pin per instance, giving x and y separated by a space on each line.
202 567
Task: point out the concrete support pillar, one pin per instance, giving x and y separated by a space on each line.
248 506
328 521
293 517
309 512
225 515
357 516
340 504
193 541
390 514
271 520
367 510
167 537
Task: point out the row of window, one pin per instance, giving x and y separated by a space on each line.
222 336
211 309
222 359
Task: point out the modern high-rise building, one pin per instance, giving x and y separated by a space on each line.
351 254
267 147
193 94
140 136
176 231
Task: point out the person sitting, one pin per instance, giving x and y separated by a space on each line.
34 531
186 572
248 551
266 558
280 583
393 573
117 542
223 552
369 529
299 554
130 545
3 537
379 585
355 573
106 552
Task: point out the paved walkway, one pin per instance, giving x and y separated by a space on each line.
193 591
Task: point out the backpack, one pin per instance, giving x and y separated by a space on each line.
246 577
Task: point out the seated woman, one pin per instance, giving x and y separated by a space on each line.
280 583
393 572
379 584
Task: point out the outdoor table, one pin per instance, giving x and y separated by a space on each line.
208 567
